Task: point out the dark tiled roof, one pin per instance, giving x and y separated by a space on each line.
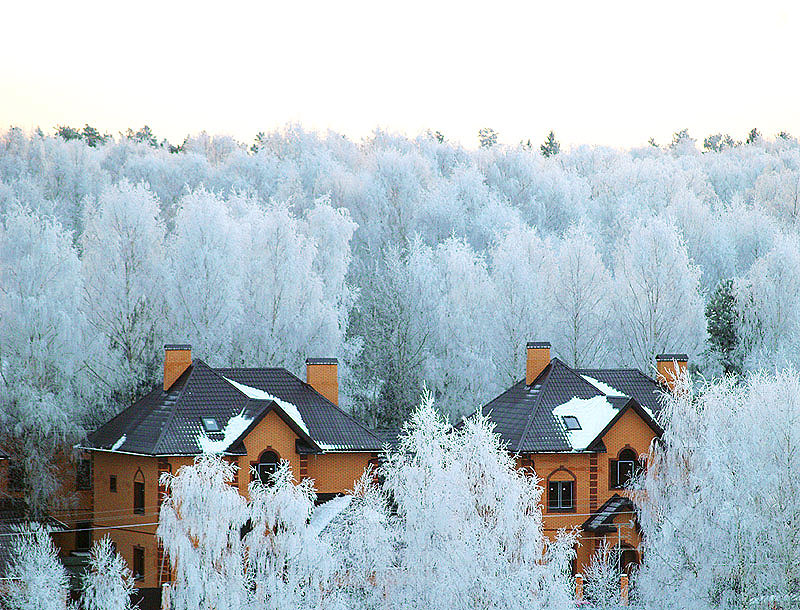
631 382
602 521
523 415
389 436
170 423
13 519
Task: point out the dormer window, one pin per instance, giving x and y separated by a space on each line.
571 422
210 425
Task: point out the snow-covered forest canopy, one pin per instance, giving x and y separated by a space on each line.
415 261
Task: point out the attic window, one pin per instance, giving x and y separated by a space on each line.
210 424
571 422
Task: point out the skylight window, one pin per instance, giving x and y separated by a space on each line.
210 424
571 422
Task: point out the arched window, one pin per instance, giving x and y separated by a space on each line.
267 465
622 470
561 491
138 492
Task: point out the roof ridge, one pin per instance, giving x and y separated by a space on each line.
549 369
174 407
338 408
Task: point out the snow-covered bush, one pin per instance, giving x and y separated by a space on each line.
36 578
108 583
602 578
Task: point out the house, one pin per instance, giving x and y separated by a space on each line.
584 432
255 417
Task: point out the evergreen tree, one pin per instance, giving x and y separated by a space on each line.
65 132
487 137
551 147
92 136
723 336
753 136
718 142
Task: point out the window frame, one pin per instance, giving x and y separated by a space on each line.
269 466
83 474
112 483
614 479
559 506
138 562
138 493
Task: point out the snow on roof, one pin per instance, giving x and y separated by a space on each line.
327 512
593 414
119 443
233 429
603 387
257 394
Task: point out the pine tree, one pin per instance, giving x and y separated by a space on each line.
551 147
487 137
108 583
723 336
753 137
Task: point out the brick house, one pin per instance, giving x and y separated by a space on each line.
254 416
584 432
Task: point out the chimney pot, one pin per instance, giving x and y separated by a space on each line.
670 368
322 374
538 358
177 358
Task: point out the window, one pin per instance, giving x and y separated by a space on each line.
560 495
138 563
571 422
267 465
138 493
623 469
83 537
112 483
210 424
83 475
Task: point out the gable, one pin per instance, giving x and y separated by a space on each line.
272 433
631 430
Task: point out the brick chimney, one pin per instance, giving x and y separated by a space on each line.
322 374
538 359
177 358
670 367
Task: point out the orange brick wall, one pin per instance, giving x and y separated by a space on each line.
337 472
116 509
629 431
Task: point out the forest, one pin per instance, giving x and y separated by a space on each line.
417 262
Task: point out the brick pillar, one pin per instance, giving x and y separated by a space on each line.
623 589
303 467
578 588
592 482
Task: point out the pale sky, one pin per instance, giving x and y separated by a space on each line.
614 72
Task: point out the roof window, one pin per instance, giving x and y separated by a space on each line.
571 422
210 424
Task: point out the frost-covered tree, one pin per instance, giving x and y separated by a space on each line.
107 583
41 347
289 566
521 263
200 526
580 301
204 277
658 305
768 299
123 270
35 578
363 543
468 522
719 506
